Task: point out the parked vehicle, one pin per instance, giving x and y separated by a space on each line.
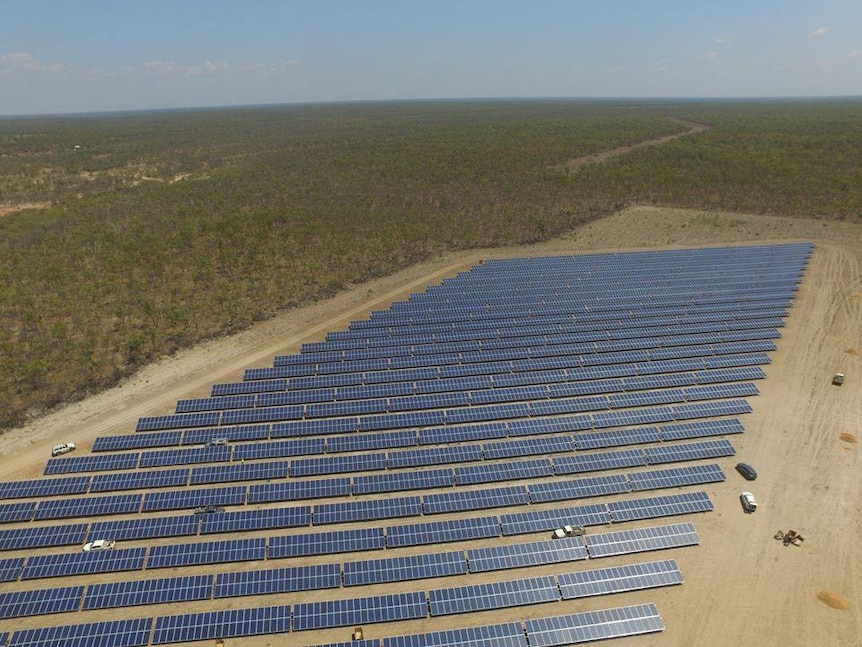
838 379
62 448
747 471
99 544
568 531
216 442
749 503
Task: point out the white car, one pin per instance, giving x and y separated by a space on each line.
62 448
748 501
98 544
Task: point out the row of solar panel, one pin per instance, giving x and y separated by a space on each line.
339 486
399 392
284 391
539 396
738 310
447 312
405 481
494 334
541 632
578 369
447 346
332 464
359 573
344 540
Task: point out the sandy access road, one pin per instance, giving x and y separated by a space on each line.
742 587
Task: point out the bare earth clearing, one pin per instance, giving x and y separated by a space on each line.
742 587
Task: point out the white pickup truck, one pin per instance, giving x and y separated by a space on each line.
568 531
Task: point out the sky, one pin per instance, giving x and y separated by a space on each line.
69 56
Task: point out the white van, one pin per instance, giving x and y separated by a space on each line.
748 501
62 448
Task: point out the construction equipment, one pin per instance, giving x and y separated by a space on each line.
790 537
838 379
568 531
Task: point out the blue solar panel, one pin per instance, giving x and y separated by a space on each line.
438 532
10 569
327 513
280 580
599 461
617 438
660 506
298 490
398 569
594 625
279 449
545 520
434 456
359 611
617 579
267 518
326 543
497 595
12 512
148 528
89 506
689 451
491 472
42 536
462 500
117 633
337 464
700 429
44 487
157 591
495 558
399 481
190 456
502 635
109 561
578 488
40 602
623 542
460 434
209 552
221 624
101 463
528 447
139 480
242 472
190 499
370 441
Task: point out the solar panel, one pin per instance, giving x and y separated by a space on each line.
326 543
370 441
594 625
279 580
497 595
42 536
642 539
139 480
617 438
44 487
676 477
109 561
190 456
266 518
460 434
12 512
337 464
438 532
689 451
10 569
491 472
190 499
298 490
617 579
89 506
399 569
221 624
578 488
599 461
210 552
502 635
279 449
400 481
528 447
328 513
660 506
700 429
19 604
545 520
139 592
148 528
359 611
495 558
100 463
434 456
117 633
241 472
462 500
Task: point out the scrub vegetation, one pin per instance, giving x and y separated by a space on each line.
162 229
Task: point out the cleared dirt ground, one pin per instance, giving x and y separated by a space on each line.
742 586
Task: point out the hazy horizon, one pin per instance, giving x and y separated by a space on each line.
98 56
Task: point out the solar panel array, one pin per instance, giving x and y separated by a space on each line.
524 385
